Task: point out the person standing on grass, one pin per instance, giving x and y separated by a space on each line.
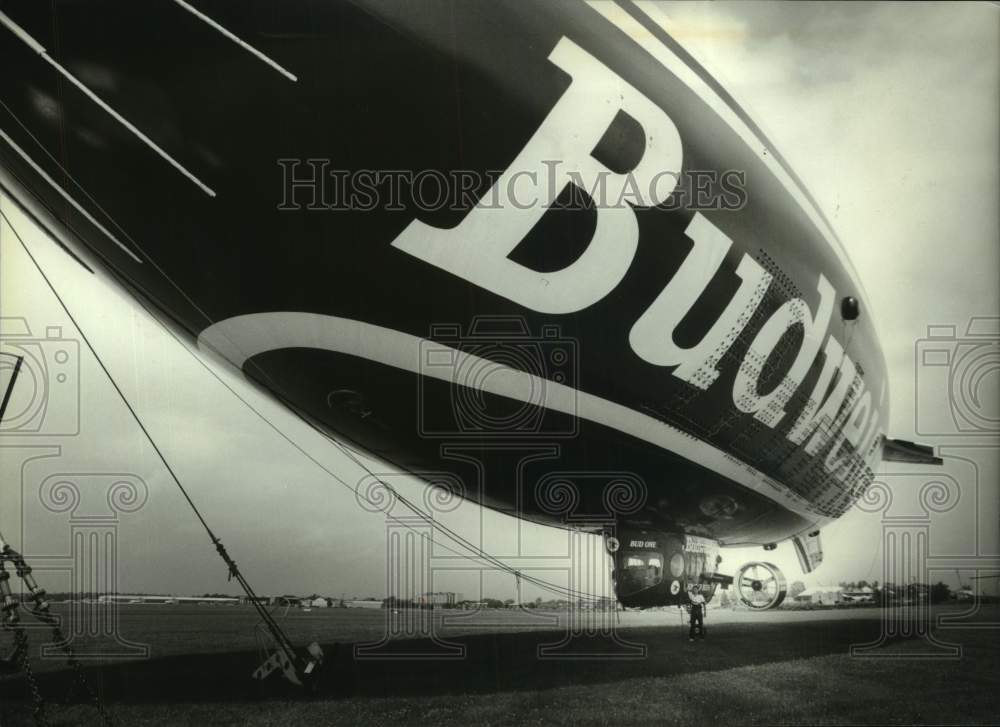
697 613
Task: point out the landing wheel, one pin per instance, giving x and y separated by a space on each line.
761 586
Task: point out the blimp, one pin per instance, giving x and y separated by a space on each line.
534 249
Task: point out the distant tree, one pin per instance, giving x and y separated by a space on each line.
394 602
796 588
509 602
493 603
940 592
887 593
863 584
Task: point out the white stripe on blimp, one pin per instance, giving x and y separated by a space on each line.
66 195
44 55
619 17
237 40
242 337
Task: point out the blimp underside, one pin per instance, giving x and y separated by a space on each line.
633 312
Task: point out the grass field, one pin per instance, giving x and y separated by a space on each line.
782 667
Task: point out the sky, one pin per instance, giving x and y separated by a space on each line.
888 112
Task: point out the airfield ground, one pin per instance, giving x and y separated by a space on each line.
784 667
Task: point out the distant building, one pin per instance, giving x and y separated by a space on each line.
820 597
318 602
861 595
362 604
442 599
141 598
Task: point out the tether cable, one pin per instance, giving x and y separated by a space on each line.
234 571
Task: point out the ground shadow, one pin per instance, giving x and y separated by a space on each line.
491 663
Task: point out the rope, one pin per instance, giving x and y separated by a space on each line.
476 550
234 571
477 553
37 702
19 660
41 612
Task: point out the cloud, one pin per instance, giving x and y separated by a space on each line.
889 114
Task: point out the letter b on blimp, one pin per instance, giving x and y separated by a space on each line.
477 249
